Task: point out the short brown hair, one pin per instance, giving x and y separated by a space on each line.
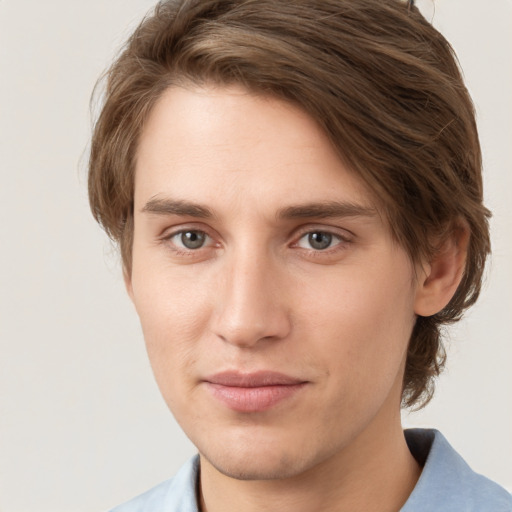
381 81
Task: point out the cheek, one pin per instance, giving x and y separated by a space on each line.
172 314
365 320
170 301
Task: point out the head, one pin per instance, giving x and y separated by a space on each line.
377 81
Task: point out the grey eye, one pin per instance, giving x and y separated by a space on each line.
319 240
191 239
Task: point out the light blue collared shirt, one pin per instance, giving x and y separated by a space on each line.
446 484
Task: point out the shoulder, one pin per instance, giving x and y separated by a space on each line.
177 494
447 483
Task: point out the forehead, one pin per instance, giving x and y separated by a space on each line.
225 143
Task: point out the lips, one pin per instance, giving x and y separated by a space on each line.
252 392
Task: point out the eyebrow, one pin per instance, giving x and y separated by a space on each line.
161 206
328 209
317 210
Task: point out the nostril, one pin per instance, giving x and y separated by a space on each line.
246 330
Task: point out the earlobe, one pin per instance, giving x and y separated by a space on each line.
439 279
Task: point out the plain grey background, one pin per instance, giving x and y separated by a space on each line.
82 424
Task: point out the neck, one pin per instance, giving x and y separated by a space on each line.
376 472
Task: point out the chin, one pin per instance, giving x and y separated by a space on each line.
259 457
257 467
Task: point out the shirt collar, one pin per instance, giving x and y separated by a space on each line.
446 483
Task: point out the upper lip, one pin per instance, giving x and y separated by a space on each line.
252 380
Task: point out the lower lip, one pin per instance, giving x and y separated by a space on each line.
256 399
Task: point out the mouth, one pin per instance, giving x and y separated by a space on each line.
252 392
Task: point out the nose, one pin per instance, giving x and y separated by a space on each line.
251 303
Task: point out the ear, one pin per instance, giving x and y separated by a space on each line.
439 278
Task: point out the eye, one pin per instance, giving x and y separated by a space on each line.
318 240
189 239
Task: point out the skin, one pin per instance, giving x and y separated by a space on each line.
255 294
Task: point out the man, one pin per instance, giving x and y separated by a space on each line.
296 190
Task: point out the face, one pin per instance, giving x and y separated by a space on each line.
275 306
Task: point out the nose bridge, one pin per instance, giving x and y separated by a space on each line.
250 305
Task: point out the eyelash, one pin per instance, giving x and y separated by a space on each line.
184 251
342 241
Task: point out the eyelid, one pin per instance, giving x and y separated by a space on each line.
175 229
344 238
170 232
342 233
